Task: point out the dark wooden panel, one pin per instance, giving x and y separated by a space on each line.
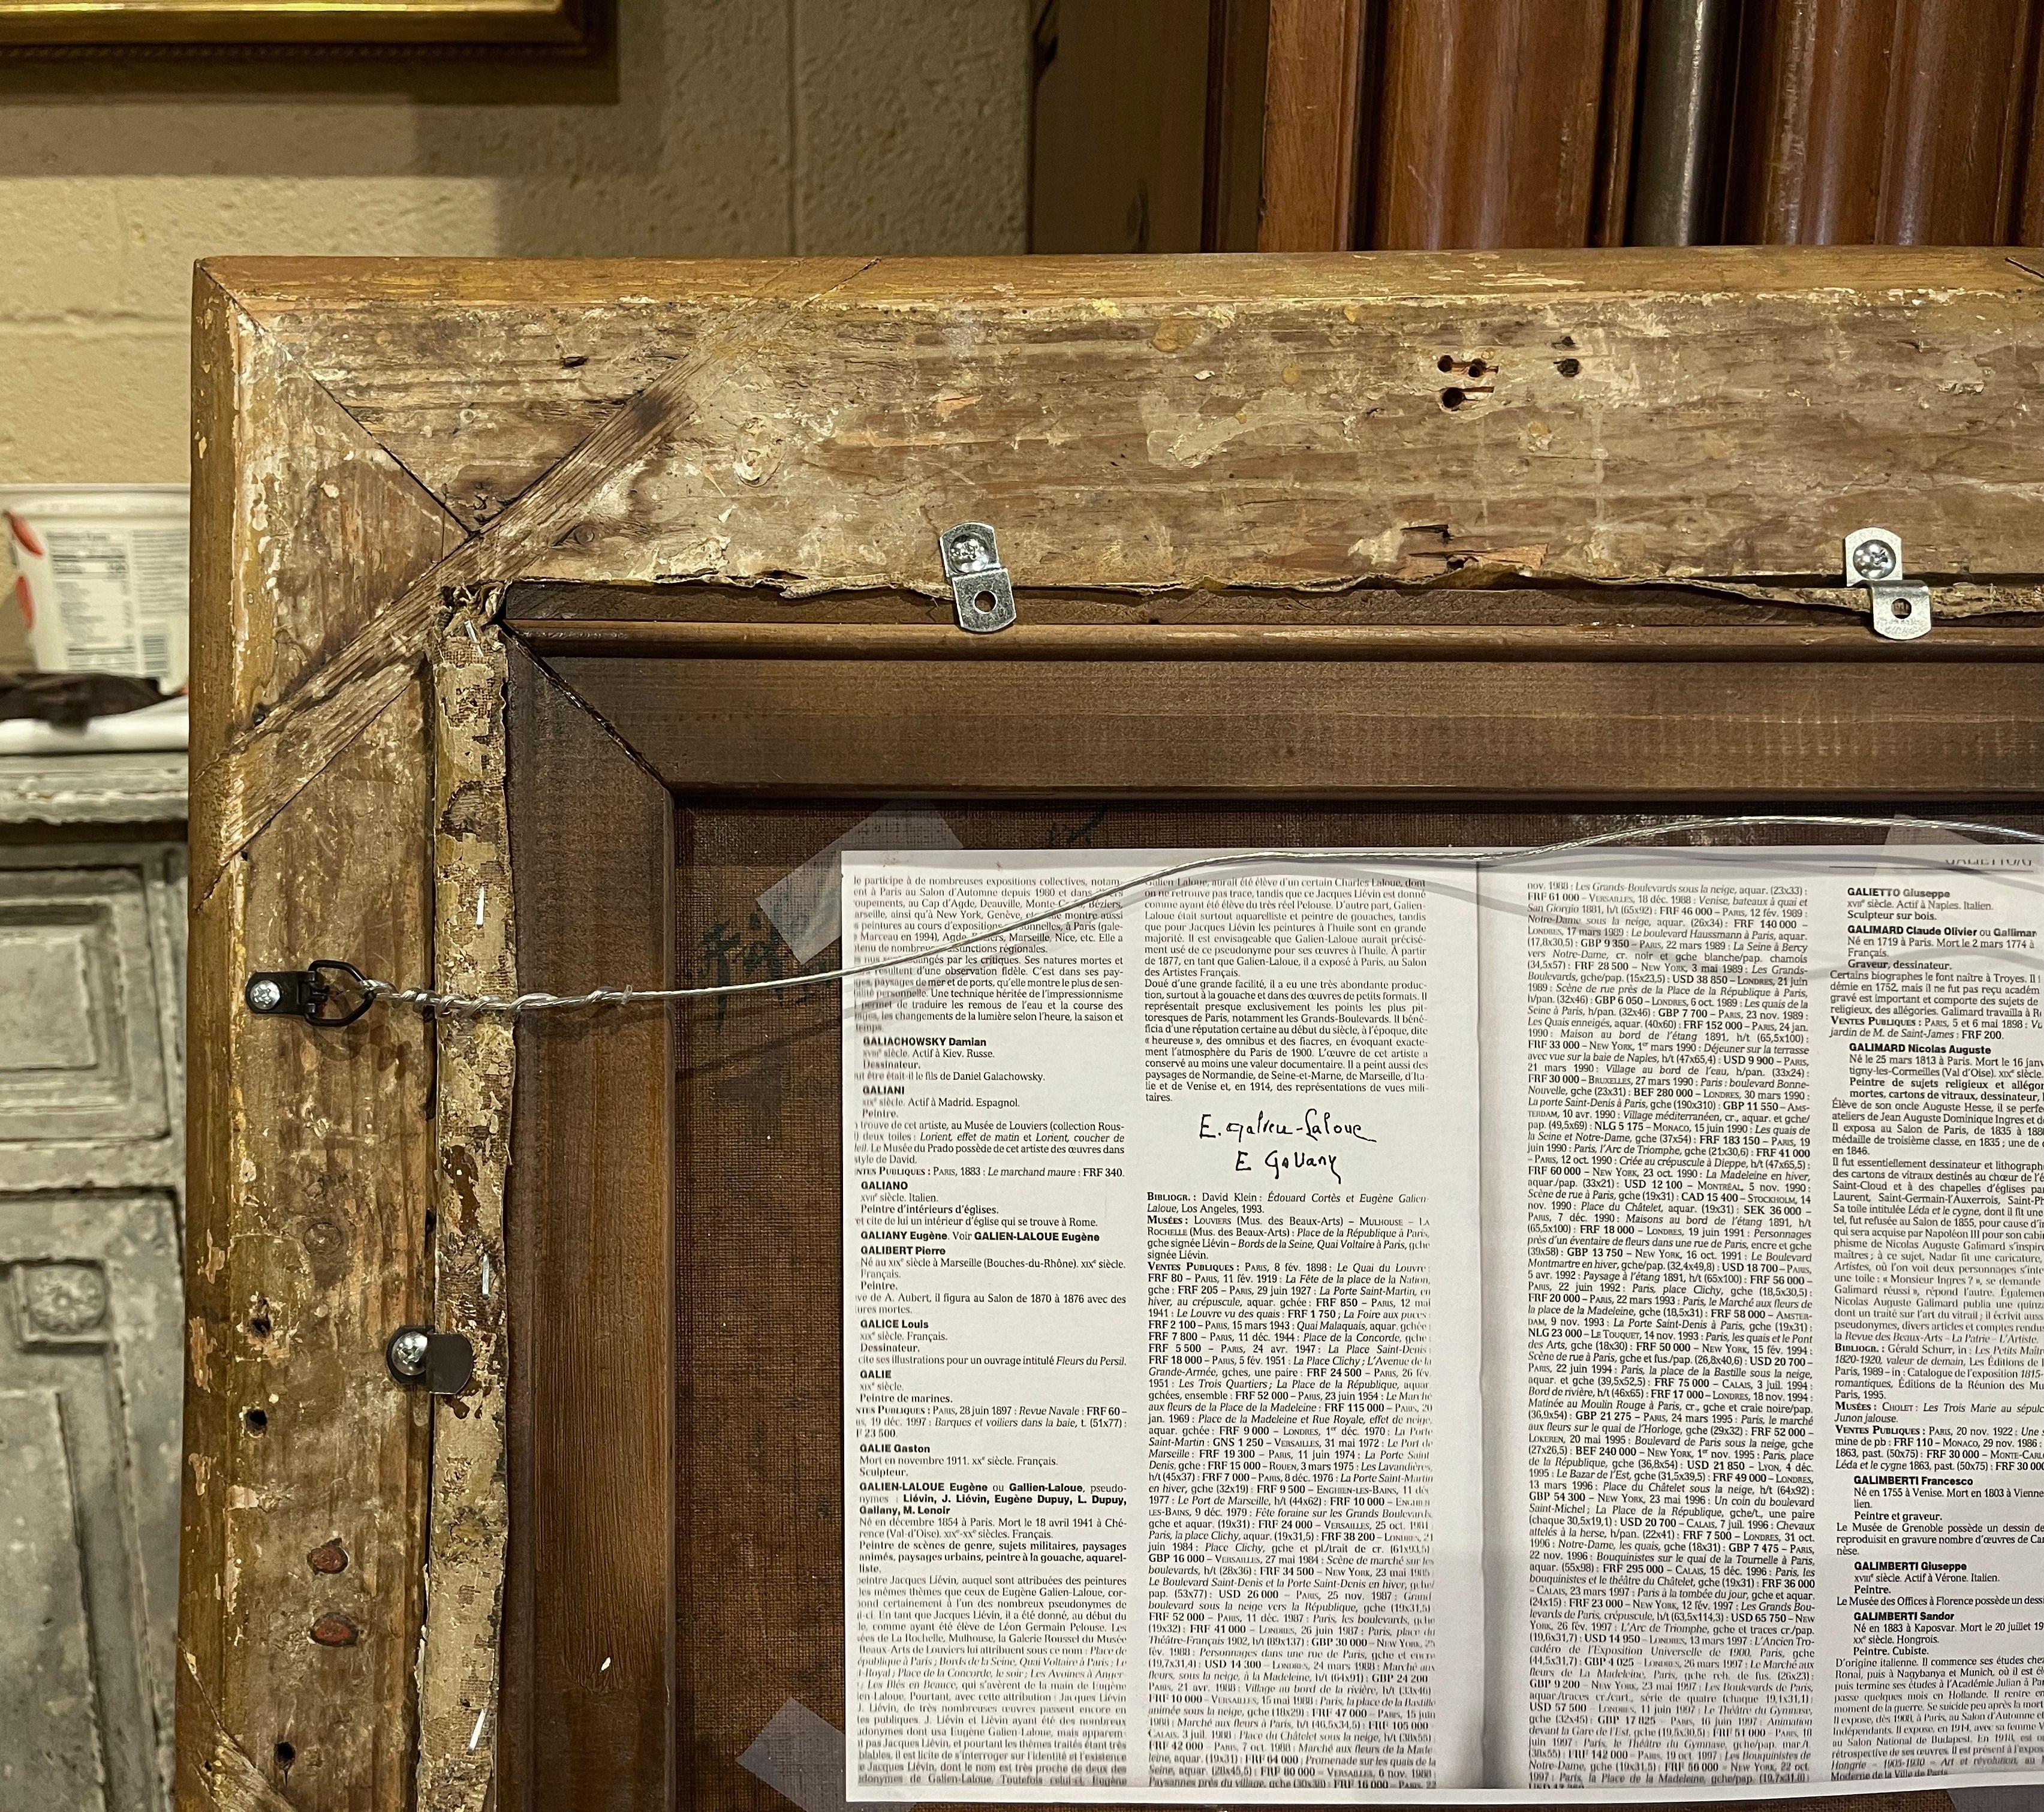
589 1601
1668 731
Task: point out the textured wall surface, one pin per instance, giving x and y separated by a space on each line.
727 126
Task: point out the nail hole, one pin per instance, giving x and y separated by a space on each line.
1452 398
1568 367
257 1420
258 1325
1445 364
286 1755
1477 368
259 714
1902 608
1566 343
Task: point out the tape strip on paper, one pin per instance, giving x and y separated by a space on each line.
803 905
801 1757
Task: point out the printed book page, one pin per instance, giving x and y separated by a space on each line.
1765 1176
1162 1334
1197 1319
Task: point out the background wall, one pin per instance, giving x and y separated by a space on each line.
725 126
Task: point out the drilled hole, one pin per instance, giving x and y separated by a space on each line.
258 1325
286 1755
1568 367
1454 398
256 1420
1446 363
1477 368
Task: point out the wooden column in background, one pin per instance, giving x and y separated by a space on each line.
1502 123
1903 122
1438 124
1312 121
1422 124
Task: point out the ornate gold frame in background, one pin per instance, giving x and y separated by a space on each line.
565 27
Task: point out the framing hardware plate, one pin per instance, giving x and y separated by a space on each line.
306 993
441 1363
1901 606
980 587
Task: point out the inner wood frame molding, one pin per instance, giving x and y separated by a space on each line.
1251 535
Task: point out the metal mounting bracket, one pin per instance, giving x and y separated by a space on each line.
980 587
306 993
441 1363
1901 606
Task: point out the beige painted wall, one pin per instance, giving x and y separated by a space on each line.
727 126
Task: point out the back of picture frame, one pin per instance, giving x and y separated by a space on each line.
618 551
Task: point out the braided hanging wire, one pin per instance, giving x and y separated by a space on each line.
488 1005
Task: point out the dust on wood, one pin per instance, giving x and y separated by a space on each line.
474 954
1173 422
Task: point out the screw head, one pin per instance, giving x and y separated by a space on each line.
1873 559
264 995
408 1352
970 555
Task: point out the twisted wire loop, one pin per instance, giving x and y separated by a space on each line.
484 1005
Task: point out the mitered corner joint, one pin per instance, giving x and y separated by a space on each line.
1901 607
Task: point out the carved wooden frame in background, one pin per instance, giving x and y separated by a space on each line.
560 28
1566 527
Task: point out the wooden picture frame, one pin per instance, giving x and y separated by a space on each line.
558 28
495 562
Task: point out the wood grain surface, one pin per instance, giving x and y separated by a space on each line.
1167 424
309 1155
1501 122
474 952
1906 122
1807 731
1312 124
591 1598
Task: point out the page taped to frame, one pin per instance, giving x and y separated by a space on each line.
1184 1232
1158 1218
